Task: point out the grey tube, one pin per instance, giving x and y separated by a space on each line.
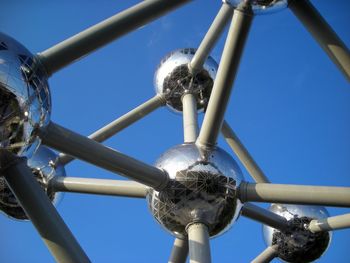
95 153
179 252
227 71
211 37
264 216
267 255
70 50
323 34
295 194
98 186
119 124
52 229
243 154
198 243
190 118
330 223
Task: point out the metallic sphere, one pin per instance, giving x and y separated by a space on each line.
173 79
25 102
202 188
260 6
297 243
43 167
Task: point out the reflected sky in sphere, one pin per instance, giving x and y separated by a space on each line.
25 103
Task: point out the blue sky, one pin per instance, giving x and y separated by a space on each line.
290 107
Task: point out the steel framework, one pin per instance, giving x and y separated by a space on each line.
90 149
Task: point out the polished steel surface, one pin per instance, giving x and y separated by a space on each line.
173 79
43 168
297 243
202 188
261 6
25 102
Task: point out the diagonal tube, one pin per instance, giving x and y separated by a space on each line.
70 50
39 209
198 243
211 37
119 124
95 153
243 154
179 252
330 223
98 186
267 255
295 194
323 34
227 70
190 118
264 216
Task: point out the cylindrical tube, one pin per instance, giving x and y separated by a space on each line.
95 153
54 232
198 243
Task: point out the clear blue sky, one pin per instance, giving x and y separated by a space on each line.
290 107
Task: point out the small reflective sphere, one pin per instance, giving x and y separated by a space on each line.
173 79
43 167
202 188
25 102
297 243
260 6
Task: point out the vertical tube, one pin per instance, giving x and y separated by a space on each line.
198 243
190 119
54 232
227 71
179 252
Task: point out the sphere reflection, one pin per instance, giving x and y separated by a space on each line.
25 102
297 243
261 6
173 79
202 188
43 167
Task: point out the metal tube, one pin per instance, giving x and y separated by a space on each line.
323 34
98 186
227 70
330 223
52 229
264 216
119 124
243 154
295 194
267 255
211 37
75 47
198 243
190 118
95 153
179 252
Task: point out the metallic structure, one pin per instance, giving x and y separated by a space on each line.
195 190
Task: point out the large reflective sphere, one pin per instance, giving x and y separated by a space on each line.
297 243
202 188
261 6
25 102
173 79
43 167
